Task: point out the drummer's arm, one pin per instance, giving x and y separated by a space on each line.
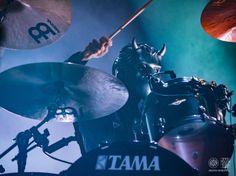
95 49
77 58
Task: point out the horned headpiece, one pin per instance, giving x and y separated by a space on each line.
136 55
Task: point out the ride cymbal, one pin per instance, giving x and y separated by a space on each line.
28 24
28 90
219 19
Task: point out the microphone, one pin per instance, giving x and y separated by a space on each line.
59 144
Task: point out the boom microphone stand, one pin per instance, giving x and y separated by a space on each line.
22 140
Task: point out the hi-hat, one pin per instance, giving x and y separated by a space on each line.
33 23
219 19
28 90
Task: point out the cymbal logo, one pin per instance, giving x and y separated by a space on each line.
42 30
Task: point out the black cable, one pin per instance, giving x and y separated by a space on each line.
57 159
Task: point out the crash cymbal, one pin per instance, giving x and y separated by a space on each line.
28 90
33 23
219 19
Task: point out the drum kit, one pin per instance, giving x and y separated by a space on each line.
184 118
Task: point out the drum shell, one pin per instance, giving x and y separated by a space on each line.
178 102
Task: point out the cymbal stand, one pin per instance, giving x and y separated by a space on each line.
2 169
69 111
79 138
22 140
40 140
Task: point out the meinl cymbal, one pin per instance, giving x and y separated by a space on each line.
219 19
33 23
28 90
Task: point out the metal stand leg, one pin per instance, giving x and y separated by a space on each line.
22 141
79 138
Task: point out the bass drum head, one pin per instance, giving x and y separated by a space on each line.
207 148
130 159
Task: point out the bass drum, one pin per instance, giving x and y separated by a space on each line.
133 159
185 116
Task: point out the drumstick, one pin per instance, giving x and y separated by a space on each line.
133 17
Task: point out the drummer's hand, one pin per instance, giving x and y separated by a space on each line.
97 49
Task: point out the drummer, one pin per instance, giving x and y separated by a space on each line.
134 64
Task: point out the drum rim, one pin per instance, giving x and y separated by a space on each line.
184 79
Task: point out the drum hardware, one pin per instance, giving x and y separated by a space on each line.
40 140
79 138
59 144
155 81
136 134
204 116
48 149
62 113
208 118
230 128
2 169
223 96
148 124
161 125
171 73
22 140
233 130
55 83
146 129
197 103
233 111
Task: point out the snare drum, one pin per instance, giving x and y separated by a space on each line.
130 159
184 115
